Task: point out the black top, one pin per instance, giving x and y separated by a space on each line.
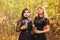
25 33
40 22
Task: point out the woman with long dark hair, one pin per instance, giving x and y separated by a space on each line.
40 22
24 25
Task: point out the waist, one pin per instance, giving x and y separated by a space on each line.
37 35
25 30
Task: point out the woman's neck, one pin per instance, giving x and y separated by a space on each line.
23 18
40 15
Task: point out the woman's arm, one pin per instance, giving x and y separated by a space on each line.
46 30
43 31
47 25
19 27
24 27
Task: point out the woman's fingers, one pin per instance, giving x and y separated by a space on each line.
24 27
37 31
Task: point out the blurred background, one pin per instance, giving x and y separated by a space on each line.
10 12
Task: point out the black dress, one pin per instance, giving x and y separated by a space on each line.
26 33
39 23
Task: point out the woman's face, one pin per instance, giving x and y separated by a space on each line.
26 14
40 11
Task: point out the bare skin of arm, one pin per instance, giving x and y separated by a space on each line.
43 31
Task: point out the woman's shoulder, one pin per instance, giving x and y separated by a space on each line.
36 17
46 18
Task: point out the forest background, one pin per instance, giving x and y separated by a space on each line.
10 12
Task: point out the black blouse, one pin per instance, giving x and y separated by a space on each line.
25 33
40 22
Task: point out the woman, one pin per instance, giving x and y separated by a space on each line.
40 22
24 25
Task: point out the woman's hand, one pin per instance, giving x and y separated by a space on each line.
24 27
37 31
42 31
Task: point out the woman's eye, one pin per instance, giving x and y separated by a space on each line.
26 12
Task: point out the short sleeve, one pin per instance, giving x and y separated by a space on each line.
47 22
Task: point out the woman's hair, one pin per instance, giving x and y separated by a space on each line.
19 22
22 16
44 11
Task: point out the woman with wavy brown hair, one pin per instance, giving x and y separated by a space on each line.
24 25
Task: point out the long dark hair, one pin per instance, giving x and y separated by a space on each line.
19 22
22 16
